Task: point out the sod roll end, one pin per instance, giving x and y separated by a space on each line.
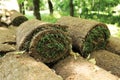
44 41
87 35
49 45
17 18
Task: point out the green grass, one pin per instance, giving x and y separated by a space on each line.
95 40
114 30
52 45
48 18
44 17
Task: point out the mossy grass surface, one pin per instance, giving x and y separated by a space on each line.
52 45
96 39
29 38
19 20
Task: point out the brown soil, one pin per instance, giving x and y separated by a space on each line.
80 69
7 39
22 67
108 61
7 34
114 45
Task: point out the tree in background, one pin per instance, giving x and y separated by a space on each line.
71 8
22 9
50 7
65 6
89 9
21 6
36 4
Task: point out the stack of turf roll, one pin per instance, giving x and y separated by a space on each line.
87 35
44 41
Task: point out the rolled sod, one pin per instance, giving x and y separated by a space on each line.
108 61
16 18
44 41
114 45
7 35
6 48
81 69
87 35
15 66
7 40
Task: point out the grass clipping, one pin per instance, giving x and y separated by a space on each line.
87 35
44 41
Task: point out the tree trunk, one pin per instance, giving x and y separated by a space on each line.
22 9
50 7
37 9
71 8
20 5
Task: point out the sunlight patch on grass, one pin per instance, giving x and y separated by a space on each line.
48 18
56 14
114 30
45 16
29 14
